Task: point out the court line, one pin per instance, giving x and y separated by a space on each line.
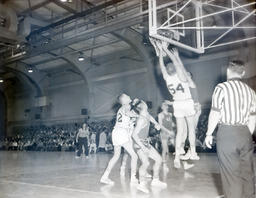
41 172
59 188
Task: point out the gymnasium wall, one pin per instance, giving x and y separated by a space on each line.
207 74
64 104
118 76
17 104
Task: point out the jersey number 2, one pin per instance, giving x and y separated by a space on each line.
173 90
119 117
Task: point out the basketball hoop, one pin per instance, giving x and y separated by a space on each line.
189 31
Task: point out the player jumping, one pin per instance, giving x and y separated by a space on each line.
178 84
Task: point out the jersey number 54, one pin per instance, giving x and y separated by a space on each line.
173 90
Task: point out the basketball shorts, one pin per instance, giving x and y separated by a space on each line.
120 136
145 142
183 108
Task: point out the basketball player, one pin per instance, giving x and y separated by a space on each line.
121 138
178 85
133 124
165 119
144 149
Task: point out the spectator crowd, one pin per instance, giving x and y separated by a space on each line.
61 137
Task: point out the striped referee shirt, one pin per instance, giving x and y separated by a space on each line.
235 100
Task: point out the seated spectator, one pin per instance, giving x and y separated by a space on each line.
93 146
27 145
102 142
14 145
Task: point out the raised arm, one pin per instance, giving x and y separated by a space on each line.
188 77
172 54
161 60
176 54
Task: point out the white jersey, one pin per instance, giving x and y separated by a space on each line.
178 89
122 120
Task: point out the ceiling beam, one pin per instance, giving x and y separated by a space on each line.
77 15
35 7
65 7
104 29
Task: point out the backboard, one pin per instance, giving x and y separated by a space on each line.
191 24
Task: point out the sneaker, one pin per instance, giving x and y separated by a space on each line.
186 156
177 163
194 156
187 165
107 181
77 157
158 183
142 187
122 171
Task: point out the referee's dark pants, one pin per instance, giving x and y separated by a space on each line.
235 153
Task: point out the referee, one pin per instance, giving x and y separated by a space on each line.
234 109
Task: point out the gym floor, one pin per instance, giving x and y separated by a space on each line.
61 175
